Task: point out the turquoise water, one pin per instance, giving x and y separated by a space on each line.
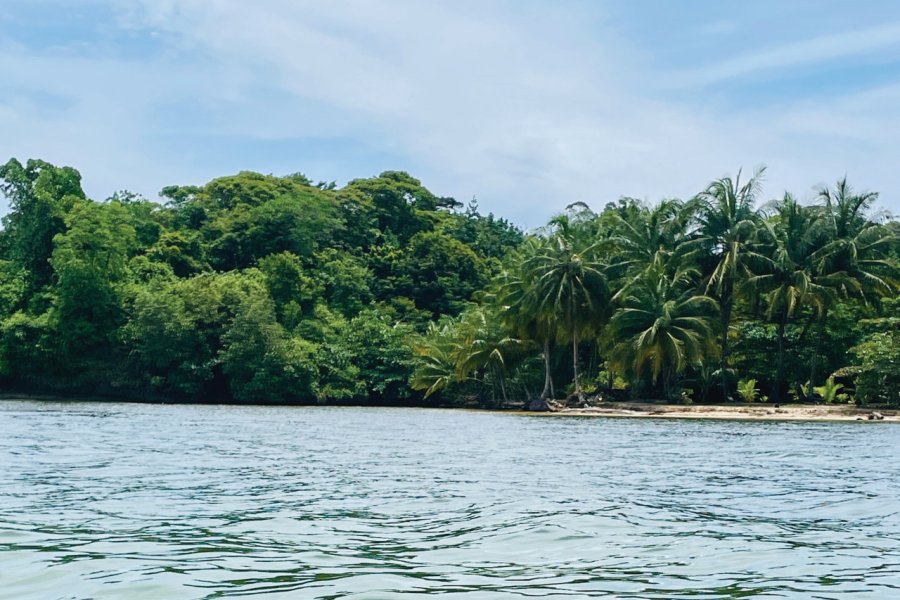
190 502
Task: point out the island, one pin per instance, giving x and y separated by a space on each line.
264 289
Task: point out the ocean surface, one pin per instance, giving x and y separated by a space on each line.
131 501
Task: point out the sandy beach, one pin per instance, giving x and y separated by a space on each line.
760 412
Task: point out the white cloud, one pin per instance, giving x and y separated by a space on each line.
529 107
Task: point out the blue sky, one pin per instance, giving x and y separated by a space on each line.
528 106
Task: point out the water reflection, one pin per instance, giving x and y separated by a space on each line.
114 501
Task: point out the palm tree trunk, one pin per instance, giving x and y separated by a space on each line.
493 388
578 391
592 363
548 379
779 376
726 322
818 349
525 389
575 362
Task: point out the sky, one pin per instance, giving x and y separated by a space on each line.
527 106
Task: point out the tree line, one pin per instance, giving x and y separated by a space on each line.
251 288
262 288
717 298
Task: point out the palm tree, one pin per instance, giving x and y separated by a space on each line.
521 311
847 212
663 324
471 347
854 259
727 221
569 283
649 237
786 276
484 345
436 356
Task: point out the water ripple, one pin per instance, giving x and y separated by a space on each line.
202 502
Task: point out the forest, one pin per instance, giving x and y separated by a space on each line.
266 289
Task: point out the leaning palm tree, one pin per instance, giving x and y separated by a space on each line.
471 347
484 347
727 221
664 325
570 283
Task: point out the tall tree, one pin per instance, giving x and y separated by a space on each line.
855 257
727 221
846 210
521 310
40 195
650 237
785 274
571 283
90 261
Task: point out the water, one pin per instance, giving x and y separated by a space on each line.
190 502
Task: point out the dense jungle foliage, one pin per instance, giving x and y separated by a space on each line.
256 288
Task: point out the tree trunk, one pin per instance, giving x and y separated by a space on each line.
526 391
578 391
493 389
502 378
818 348
725 303
779 376
548 379
592 363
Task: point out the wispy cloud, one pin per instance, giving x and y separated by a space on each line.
800 53
529 106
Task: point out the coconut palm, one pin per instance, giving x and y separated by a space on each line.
649 237
484 345
521 311
855 256
727 221
785 276
471 347
436 356
846 211
569 283
858 248
663 325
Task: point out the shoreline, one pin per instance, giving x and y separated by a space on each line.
755 412
626 410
